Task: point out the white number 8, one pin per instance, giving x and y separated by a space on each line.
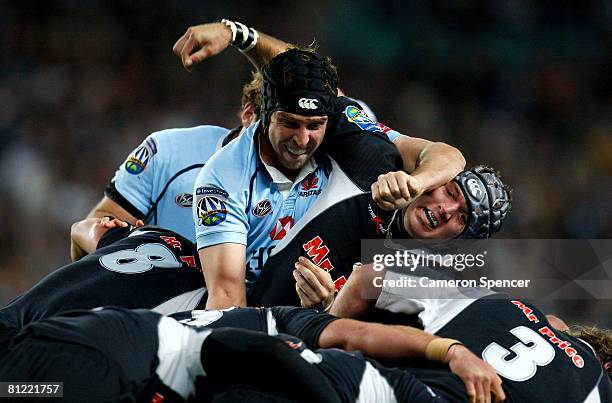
525 364
139 260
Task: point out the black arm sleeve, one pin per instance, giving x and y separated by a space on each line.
305 324
363 151
112 193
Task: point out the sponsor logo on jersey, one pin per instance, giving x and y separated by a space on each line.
211 211
189 261
263 208
207 191
138 160
184 199
310 186
378 222
172 241
283 225
318 251
308 103
363 121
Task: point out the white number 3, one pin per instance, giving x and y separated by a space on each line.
141 259
525 364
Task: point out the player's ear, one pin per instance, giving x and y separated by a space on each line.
247 115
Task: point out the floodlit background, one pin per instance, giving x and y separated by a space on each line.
526 88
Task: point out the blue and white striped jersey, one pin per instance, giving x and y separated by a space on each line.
155 183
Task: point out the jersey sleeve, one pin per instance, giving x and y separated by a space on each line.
219 203
305 324
362 147
134 181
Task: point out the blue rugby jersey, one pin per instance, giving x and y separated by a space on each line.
155 183
237 199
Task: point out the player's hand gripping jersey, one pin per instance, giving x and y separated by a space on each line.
155 183
148 268
238 200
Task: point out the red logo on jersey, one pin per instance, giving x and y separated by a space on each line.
293 345
378 222
189 260
310 182
157 398
339 283
172 241
280 229
318 252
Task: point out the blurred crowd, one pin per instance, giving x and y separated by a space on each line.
525 88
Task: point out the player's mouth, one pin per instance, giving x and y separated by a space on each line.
297 151
431 218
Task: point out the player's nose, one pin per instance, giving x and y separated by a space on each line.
449 209
301 137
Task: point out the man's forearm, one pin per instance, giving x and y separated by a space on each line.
266 49
376 340
437 165
223 266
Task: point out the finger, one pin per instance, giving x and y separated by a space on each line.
304 285
385 205
393 186
188 47
139 223
304 300
309 302
178 45
313 281
375 192
200 55
383 188
119 223
480 398
471 391
322 275
486 390
404 191
414 185
498 391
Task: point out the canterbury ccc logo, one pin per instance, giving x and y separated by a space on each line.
308 103
474 188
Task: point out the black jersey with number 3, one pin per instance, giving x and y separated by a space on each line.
148 268
536 362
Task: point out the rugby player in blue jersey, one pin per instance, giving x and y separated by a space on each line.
251 193
155 183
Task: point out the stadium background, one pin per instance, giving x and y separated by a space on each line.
526 88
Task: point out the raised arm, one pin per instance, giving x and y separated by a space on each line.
427 165
200 42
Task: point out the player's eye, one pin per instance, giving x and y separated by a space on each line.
290 125
314 126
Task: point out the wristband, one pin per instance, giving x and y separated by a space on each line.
437 349
243 37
